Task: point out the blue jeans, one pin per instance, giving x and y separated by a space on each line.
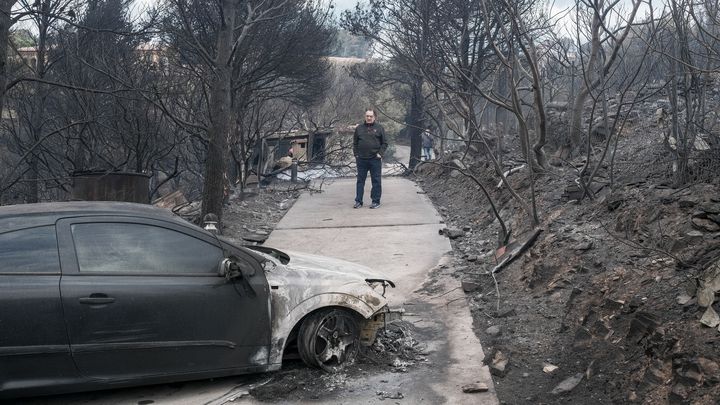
427 152
374 166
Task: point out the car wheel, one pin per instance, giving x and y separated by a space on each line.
329 339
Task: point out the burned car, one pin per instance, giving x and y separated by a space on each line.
98 295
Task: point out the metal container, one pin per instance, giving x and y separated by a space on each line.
111 186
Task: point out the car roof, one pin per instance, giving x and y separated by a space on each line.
11 216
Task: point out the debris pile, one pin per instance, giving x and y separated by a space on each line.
396 347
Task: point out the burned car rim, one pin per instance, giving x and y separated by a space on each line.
329 339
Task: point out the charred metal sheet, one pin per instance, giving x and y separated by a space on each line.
111 186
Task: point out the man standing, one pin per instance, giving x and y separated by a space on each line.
427 143
369 145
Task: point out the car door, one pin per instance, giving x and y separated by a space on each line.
143 297
34 348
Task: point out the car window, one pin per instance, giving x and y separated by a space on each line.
129 247
31 250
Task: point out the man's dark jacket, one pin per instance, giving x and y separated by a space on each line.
369 140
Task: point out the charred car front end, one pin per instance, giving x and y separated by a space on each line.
325 305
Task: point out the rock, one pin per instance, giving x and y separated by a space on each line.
549 368
573 192
582 339
457 164
454 233
472 258
454 174
710 208
612 304
474 388
709 285
678 394
705 297
493 330
568 384
583 246
634 304
655 375
705 224
687 201
683 299
507 313
690 377
467 228
707 366
614 203
470 286
599 329
694 237
710 318
499 365
643 324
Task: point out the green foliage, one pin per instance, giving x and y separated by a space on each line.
21 38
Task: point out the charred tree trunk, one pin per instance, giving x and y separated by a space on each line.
220 114
575 130
37 110
501 114
5 24
415 122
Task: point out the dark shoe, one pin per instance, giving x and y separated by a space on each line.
357 205
374 205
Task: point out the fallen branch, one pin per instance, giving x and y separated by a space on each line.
497 289
508 173
517 252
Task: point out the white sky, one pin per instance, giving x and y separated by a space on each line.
342 5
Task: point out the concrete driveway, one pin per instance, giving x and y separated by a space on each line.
400 240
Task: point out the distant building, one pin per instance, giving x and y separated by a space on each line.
28 54
151 53
306 147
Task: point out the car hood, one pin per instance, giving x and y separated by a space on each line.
291 264
330 267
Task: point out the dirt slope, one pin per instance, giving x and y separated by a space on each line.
608 293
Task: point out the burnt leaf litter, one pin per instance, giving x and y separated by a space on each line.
617 299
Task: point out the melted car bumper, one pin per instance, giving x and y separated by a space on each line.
369 327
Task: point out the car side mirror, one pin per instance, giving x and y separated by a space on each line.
232 267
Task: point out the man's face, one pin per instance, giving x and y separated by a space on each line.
369 117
